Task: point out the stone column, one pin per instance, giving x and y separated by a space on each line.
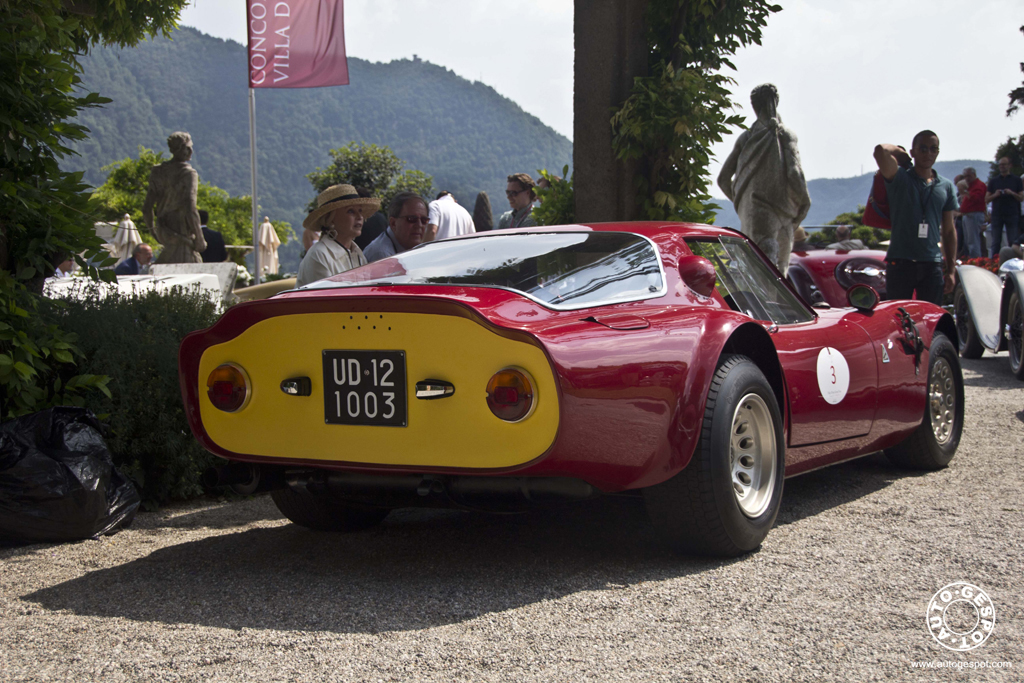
610 51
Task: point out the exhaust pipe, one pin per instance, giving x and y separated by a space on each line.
243 478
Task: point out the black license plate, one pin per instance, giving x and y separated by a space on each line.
365 388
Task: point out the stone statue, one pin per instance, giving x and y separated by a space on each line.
172 188
764 180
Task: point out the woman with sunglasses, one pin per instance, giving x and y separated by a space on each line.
338 217
407 225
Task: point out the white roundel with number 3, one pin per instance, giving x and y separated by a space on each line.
833 375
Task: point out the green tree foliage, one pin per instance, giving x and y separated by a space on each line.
678 110
557 201
1017 94
374 167
134 341
1014 151
125 191
866 234
43 210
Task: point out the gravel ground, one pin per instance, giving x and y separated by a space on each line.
231 591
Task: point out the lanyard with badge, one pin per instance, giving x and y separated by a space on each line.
922 227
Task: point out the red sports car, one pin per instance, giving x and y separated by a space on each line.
548 364
825 275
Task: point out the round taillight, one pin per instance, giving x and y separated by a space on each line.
228 388
510 394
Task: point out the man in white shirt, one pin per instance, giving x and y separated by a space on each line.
447 219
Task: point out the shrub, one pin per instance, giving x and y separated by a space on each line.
558 201
134 339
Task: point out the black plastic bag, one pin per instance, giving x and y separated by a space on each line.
58 481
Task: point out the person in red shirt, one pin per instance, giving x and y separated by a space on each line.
972 208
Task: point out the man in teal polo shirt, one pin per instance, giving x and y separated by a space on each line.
921 207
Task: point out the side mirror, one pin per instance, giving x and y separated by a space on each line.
698 274
862 297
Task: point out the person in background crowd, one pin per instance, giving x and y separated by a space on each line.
1006 192
958 219
800 242
373 226
141 256
520 195
483 217
844 239
447 218
972 208
65 268
921 205
339 217
407 226
215 251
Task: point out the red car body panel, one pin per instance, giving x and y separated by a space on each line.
633 378
820 265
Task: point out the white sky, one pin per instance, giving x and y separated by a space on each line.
850 73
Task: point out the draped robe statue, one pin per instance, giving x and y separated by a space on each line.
172 192
765 182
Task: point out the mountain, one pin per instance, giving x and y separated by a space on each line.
833 196
463 133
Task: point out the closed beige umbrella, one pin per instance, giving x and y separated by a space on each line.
269 242
125 239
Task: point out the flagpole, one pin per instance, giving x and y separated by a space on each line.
255 210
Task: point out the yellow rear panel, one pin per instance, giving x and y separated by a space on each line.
458 431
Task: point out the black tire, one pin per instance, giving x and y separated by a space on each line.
1015 335
932 445
321 512
698 511
970 342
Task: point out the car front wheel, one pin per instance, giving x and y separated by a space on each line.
970 342
932 445
321 512
724 502
1015 335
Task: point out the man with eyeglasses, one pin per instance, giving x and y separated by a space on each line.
972 208
407 226
921 208
520 195
1006 192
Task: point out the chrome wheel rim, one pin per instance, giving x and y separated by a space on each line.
942 400
752 455
1015 330
962 316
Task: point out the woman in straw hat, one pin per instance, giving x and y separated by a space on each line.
339 216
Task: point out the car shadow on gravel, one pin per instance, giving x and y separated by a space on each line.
419 569
815 492
989 371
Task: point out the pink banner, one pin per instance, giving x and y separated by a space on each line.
296 43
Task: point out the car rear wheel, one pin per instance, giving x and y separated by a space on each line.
970 342
932 445
321 512
1015 335
725 500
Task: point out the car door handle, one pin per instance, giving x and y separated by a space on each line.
430 389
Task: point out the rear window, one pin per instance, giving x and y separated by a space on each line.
560 270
